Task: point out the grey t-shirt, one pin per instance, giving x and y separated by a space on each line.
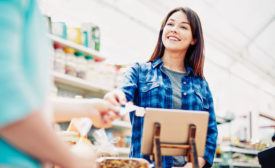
175 78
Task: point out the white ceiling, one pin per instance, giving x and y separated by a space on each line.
239 34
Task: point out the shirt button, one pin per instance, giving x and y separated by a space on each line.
184 82
184 94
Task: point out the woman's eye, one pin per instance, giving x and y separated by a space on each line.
170 24
183 27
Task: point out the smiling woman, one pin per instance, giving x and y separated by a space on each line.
177 34
184 25
172 79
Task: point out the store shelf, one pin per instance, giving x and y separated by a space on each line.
78 83
222 120
217 160
240 164
124 151
122 124
76 46
238 150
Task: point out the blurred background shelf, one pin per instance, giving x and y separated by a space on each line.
238 150
217 160
73 83
240 164
122 124
76 46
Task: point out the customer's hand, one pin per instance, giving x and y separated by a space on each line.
116 97
102 113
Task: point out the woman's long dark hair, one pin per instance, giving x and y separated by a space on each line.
195 53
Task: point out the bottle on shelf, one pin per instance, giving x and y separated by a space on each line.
74 34
95 71
91 36
90 73
81 65
70 66
59 58
96 38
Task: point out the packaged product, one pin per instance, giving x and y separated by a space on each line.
76 134
81 65
59 58
74 34
90 68
59 29
95 38
84 145
102 144
93 70
91 36
69 137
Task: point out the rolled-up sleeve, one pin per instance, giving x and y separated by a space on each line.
16 98
212 132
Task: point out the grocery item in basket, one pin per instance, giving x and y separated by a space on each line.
68 136
120 162
103 146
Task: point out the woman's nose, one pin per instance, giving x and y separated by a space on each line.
174 29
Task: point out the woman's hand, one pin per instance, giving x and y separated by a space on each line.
116 97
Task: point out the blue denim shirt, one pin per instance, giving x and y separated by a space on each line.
147 86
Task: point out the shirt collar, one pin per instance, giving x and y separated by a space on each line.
159 61
189 70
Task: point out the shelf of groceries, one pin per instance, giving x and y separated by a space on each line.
77 59
80 69
238 164
78 83
76 67
236 157
241 164
239 150
78 47
235 152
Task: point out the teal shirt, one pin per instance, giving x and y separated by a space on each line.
23 76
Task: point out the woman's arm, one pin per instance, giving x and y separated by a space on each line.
212 131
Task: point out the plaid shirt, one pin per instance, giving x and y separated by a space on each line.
147 86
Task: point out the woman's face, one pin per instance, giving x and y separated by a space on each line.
177 34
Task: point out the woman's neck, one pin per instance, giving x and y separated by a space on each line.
174 61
